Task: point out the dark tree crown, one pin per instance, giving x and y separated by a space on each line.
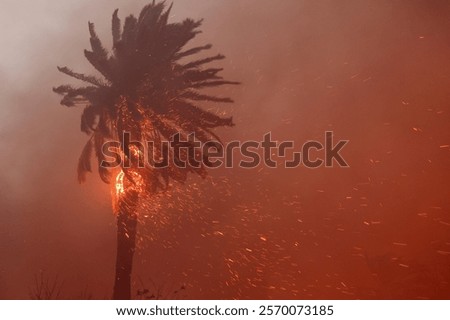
145 89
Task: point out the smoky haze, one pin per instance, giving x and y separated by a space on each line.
376 73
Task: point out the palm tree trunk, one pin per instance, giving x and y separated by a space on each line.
126 244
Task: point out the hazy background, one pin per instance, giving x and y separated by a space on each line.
375 72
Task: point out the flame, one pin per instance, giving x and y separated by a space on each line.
122 186
119 183
117 190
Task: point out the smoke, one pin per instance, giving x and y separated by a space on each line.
374 72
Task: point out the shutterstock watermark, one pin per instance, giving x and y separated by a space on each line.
191 152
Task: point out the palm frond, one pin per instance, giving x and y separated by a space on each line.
84 162
90 79
197 63
192 95
146 90
116 28
88 118
191 51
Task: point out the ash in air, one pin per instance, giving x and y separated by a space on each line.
374 73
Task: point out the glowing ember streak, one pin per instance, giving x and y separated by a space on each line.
119 183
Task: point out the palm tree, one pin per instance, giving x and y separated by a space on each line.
148 89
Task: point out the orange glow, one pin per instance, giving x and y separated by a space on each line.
119 183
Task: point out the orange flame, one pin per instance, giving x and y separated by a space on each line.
119 183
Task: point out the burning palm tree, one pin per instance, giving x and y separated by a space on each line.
148 89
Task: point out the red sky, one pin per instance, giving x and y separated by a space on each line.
375 72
